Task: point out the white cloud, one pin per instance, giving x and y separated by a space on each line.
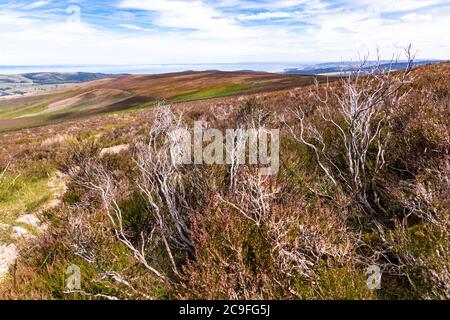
216 35
36 4
134 27
183 14
13 20
267 15
414 17
393 6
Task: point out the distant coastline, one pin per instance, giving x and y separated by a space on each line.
275 67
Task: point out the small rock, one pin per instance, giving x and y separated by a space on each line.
8 254
19 233
29 219
114 150
4 226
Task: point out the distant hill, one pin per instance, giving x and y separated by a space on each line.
346 67
60 78
32 83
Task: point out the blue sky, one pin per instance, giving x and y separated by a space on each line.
181 31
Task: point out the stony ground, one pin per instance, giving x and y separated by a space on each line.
27 226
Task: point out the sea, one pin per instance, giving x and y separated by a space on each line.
157 68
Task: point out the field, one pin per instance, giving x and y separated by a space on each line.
134 92
87 165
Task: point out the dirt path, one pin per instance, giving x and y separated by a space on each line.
27 226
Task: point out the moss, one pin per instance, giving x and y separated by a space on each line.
337 283
209 93
25 111
256 251
19 195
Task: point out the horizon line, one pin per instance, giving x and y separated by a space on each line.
211 63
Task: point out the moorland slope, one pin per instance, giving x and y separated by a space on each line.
294 235
137 91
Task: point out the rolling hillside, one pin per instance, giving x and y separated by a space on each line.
130 92
49 177
40 82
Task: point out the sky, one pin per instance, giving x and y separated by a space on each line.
119 32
